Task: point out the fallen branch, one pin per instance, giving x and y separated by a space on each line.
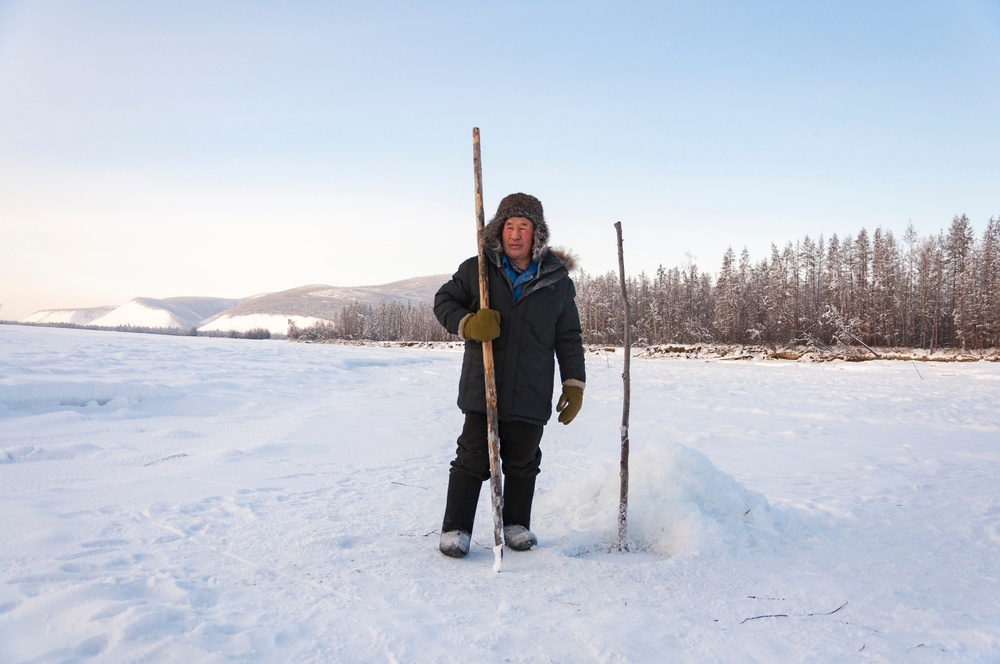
865 345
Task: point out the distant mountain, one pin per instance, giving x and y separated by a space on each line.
176 312
308 305
71 316
305 306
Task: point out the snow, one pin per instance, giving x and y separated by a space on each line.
136 310
305 305
174 313
195 499
274 323
71 316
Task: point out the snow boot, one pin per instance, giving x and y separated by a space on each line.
459 514
518 493
455 543
519 538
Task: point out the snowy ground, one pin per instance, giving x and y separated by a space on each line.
179 499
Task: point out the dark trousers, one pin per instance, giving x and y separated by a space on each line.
520 458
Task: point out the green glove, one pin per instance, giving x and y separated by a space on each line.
484 325
570 403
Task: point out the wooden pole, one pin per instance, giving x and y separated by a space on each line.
627 379
493 432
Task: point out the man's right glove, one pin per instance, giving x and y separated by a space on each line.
484 325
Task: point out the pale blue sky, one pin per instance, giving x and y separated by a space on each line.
228 148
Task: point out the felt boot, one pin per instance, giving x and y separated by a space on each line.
518 493
459 514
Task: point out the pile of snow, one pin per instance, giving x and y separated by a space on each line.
680 504
203 499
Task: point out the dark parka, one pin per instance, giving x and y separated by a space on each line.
544 326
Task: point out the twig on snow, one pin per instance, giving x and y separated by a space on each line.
829 613
772 615
413 486
785 615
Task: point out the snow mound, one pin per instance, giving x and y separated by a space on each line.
679 504
76 394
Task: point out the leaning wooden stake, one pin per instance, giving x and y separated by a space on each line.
493 433
623 472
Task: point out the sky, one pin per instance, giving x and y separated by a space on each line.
224 149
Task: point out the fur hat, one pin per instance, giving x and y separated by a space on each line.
518 205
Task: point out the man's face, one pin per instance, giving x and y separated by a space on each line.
518 234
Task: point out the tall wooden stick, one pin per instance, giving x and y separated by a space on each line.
626 377
493 433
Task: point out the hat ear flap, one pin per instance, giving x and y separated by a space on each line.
493 235
540 241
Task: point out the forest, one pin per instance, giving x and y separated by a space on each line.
874 289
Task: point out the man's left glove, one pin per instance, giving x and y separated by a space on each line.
571 400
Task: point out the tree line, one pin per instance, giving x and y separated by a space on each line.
938 291
870 288
387 321
255 333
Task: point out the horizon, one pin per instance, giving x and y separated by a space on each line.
713 273
225 150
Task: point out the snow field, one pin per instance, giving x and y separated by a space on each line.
188 499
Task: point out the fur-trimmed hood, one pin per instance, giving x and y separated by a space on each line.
567 257
562 256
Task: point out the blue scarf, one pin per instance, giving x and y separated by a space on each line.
518 278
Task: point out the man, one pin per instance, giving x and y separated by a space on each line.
532 322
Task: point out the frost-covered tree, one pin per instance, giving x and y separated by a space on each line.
940 290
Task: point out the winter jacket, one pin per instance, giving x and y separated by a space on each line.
544 326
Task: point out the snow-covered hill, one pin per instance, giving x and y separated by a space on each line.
305 306
71 316
173 313
308 305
